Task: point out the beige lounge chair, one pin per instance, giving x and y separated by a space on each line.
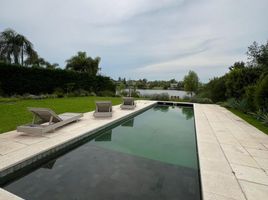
48 121
103 109
128 103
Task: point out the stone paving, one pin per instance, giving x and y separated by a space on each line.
233 155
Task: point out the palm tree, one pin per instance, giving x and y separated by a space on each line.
14 46
82 63
6 40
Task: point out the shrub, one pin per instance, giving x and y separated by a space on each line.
231 103
249 97
186 98
242 105
59 92
106 93
1 91
239 78
78 93
215 90
160 97
259 115
237 104
264 118
201 100
261 94
92 94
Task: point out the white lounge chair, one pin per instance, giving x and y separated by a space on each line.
128 103
48 121
103 109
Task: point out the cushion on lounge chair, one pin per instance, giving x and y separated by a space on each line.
45 114
128 103
50 121
103 109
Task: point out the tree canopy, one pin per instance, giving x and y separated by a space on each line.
191 82
82 63
15 47
258 54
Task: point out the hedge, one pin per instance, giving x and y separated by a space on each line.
261 95
15 79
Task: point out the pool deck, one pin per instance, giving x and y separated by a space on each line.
233 155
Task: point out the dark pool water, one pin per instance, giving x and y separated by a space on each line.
151 156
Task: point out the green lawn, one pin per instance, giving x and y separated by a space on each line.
251 120
14 113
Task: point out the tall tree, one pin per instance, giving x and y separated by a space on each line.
82 63
14 47
258 54
191 82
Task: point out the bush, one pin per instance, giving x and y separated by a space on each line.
237 104
257 115
261 116
242 105
19 80
231 103
217 89
106 93
1 91
59 92
264 118
160 97
201 100
79 93
249 97
92 94
239 78
261 94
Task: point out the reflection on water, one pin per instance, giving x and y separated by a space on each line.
50 164
129 123
188 112
105 136
161 108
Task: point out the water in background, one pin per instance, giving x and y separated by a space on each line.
148 92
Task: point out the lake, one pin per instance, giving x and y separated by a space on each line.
179 93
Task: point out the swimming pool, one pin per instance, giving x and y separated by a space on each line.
150 156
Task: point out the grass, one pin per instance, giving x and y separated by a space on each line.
14 112
251 120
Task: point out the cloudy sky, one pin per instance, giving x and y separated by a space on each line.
153 39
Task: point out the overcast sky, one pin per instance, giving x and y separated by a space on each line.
153 39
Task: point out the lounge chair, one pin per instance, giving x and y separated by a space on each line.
103 109
48 121
128 103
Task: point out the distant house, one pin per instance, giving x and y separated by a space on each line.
173 86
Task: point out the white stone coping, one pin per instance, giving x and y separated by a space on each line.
5 195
